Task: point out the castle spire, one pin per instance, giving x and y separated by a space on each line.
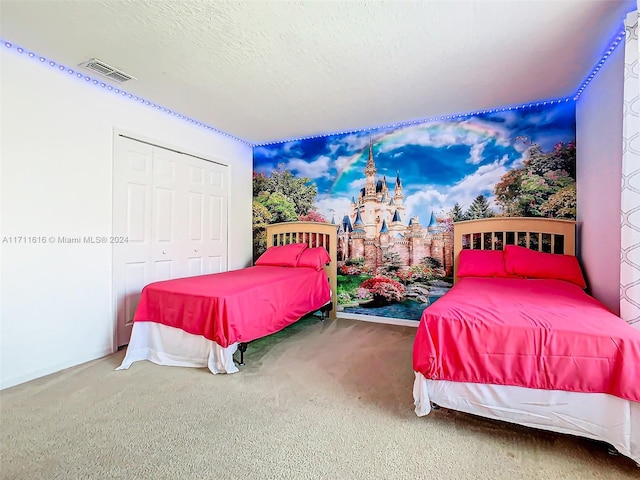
397 194
370 169
358 219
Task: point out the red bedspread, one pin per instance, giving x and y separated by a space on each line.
544 334
236 306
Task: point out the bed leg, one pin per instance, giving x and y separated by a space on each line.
243 348
612 451
324 310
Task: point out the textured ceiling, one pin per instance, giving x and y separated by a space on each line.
272 70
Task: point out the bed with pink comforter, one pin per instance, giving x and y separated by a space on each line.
537 352
202 321
536 333
236 306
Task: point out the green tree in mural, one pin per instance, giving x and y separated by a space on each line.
280 197
538 188
456 214
279 206
392 261
479 208
300 191
509 193
261 217
561 204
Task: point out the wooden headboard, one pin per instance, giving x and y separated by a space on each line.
314 234
543 234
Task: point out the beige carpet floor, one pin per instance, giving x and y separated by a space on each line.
320 400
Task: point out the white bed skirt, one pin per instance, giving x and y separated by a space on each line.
171 346
592 415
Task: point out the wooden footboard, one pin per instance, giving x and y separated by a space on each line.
314 234
542 234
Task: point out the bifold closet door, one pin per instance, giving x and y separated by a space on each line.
172 210
206 229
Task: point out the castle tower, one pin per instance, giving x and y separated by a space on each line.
370 172
398 196
433 226
396 223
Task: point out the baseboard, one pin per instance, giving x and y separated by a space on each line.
375 319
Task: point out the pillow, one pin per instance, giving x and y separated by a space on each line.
533 264
481 263
316 258
282 255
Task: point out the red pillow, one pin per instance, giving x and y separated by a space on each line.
282 255
316 258
533 264
481 263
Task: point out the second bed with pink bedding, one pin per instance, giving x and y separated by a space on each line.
536 333
518 339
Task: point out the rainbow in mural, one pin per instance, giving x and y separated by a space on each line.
394 194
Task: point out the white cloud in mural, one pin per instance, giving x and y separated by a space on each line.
344 163
356 185
475 155
333 148
266 152
328 205
519 162
443 134
292 148
423 202
354 142
315 169
483 179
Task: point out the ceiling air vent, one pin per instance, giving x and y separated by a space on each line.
107 70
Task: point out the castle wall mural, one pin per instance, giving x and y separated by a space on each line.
395 193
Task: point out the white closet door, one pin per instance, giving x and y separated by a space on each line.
172 207
132 204
207 217
167 215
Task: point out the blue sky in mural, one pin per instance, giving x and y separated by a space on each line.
439 162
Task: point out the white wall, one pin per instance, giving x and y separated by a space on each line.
599 170
57 137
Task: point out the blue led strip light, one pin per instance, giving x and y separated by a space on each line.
118 91
612 46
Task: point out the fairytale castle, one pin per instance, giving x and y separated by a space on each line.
374 229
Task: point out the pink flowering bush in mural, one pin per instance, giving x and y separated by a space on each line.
384 289
363 294
355 266
416 274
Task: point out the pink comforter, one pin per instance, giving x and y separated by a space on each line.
236 306
543 334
